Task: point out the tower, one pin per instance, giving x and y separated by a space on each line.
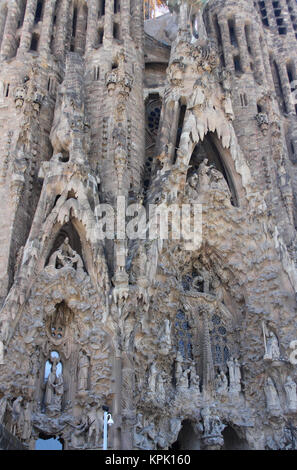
188 120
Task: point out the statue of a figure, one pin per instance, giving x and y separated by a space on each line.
95 429
205 414
160 390
183 383
272 348
83 371
165 339
218 183
188 138
77 437
16 415
54 390
222 383
272 398
203 177
194 379
65 256
197 99
178 367
27 428
290 389
234 375
152 378
59 392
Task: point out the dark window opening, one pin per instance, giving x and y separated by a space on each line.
6 90
117 6
22 13
34 42
218 30
116 31
282 31
39 11
74 22
100 35
232 33
237 65
248 38
96 73
243 100
181 119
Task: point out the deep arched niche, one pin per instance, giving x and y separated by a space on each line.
187 438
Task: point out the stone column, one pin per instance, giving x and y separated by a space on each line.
266 62
8 45
117 404
26 36
60 44
125 18
81 29
93 7
108 20
3 16
286 88
226 44
242 45
257 54
47 26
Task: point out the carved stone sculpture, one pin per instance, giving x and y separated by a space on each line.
272 398
54 389
272 347
83 371
291 394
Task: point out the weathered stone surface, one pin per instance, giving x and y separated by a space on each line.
190 345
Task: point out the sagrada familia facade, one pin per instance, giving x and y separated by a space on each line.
188 347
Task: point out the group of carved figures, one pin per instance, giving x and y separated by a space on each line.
234 386
273 356
20 412
207 177
272 396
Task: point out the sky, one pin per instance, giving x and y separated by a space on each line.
161 11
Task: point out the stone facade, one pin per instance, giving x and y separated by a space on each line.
189 347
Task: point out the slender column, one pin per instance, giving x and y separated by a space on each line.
26 36
47 26
61 28
242 45
9 37
108 20
257 53
267 67
93 8
125 17
226 44
3 16
80 29
286 88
